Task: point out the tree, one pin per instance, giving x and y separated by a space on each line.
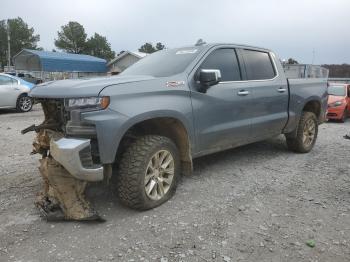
292 61
98 45
342 71
149 48
72 38
160 46
21 36
200 42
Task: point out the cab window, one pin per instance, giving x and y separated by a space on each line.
258 65
226 61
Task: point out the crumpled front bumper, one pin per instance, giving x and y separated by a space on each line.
67 151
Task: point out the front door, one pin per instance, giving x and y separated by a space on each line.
222 114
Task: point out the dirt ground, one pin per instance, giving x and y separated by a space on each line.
255 203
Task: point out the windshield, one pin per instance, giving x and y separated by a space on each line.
336 90
164 63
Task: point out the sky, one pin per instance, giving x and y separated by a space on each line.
307 30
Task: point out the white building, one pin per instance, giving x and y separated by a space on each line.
124 60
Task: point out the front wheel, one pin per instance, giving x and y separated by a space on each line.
307 131
24 103
148 172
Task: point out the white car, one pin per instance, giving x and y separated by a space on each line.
14 93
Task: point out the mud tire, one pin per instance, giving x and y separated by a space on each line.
132 168
296 144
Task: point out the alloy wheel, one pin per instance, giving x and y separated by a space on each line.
159 174
309 132
25 103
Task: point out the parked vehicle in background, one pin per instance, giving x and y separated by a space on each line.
338 101
149 122
27 77
14 93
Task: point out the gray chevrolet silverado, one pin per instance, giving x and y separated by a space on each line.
146 125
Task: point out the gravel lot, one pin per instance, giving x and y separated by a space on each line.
255 203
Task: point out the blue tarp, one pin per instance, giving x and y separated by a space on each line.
34 60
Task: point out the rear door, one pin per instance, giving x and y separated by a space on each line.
9 91
270 97
222 114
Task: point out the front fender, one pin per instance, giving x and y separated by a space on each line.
111 126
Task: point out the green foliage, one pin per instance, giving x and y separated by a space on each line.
160 46
292 61
98 46
149 48
21 36
72 38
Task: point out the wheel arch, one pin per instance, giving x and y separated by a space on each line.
168 126
313 106
22 93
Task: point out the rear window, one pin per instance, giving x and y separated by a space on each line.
258 65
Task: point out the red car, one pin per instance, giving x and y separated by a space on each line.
338 101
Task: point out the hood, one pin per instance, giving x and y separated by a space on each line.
332 99
81 87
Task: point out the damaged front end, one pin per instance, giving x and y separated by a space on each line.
69 160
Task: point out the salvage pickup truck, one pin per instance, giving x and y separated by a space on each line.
146 125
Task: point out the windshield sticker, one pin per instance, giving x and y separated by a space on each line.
188 51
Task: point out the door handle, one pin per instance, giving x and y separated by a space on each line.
243 93
281 90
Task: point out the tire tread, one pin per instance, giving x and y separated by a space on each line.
131 166
296 144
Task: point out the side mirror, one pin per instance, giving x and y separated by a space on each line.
208 78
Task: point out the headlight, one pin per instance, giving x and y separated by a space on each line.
335 104
88 102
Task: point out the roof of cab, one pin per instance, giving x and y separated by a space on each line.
210 45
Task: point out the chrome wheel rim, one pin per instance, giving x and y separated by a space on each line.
25 103
309 132
159 174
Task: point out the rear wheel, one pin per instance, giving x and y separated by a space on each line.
148 172
307 131
24 103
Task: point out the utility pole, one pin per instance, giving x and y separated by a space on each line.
8 44
313 56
